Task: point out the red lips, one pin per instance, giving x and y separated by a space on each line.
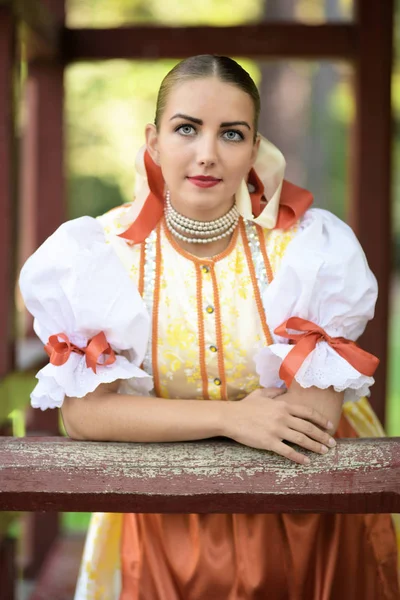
204 178
204 181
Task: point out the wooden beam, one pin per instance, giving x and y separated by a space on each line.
371 202
265 40
7 185
358 476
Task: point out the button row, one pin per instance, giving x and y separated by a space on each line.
210 310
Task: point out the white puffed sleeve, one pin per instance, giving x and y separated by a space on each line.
323 278
76 285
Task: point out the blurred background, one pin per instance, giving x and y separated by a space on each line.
308 111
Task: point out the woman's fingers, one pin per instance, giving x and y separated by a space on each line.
262 422
310 414
300 439
312 431
290 453
273 392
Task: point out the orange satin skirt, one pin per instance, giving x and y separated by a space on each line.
259 557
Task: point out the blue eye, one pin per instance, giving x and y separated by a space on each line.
185 129
233 135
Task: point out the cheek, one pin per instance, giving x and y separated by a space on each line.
174 166
175 155
239 168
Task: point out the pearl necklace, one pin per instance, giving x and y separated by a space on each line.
205 231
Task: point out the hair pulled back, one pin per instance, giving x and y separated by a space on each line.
208 65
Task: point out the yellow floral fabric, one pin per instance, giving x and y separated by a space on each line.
209 323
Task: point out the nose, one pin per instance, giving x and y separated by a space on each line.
207 151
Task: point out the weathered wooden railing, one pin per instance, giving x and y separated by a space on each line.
58 474
52 474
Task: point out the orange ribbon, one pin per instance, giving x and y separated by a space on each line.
59 352
306 341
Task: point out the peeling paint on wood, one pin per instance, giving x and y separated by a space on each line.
357 476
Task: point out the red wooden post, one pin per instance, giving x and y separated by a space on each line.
45 106
7 190
42 181
8 573
371 202
43 210
42 197
7 222
7 186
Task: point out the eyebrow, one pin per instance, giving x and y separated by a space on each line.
200 122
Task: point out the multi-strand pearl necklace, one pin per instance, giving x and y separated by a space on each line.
203 232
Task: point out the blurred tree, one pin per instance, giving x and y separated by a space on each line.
285 91
83 189
326 144
396 161
298 115
111 13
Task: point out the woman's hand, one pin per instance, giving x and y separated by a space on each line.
264 419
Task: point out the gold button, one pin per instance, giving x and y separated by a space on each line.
210 309
213 348
217 381
205 269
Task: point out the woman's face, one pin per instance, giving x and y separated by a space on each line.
206 131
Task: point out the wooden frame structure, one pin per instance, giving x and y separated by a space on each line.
31 157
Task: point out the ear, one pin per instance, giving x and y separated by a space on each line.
152 142
254 151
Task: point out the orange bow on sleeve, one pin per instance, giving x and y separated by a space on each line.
306 341
59 352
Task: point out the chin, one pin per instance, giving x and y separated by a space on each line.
200 201
203 202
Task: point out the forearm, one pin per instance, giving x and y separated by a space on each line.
115 417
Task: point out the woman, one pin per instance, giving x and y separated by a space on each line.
225 259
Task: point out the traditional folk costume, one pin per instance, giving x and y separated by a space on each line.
128 303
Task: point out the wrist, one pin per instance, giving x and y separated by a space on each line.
224 417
